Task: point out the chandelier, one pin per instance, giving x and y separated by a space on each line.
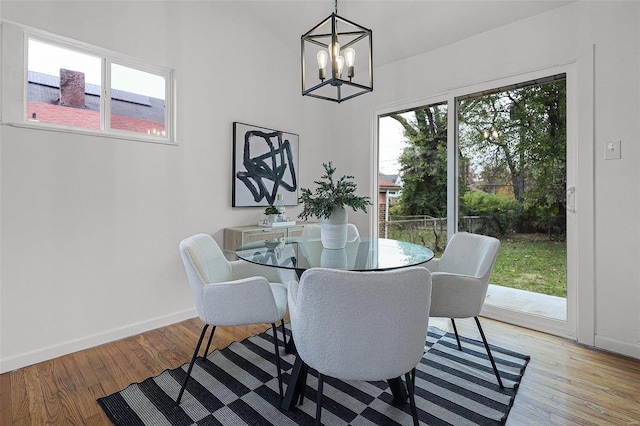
330 48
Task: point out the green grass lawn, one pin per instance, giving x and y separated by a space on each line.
532 264
527 262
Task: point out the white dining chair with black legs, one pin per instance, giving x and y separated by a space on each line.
366 326
460 281
230 293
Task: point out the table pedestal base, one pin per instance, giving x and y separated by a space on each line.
298 381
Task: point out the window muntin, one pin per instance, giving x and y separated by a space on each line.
85 88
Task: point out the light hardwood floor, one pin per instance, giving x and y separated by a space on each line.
564 384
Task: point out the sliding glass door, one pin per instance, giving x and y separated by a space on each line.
512 157
497 166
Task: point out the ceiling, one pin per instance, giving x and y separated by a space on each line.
401 28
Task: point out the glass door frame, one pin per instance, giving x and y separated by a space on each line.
575 237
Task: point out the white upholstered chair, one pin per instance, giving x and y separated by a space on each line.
460 281
361 325
231 293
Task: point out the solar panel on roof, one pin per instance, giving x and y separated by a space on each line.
90 89
130 97
44 79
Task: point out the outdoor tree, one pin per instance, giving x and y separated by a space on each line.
511 142
424 161
516 139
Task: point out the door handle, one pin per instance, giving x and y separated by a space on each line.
571 199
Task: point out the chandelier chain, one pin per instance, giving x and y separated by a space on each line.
336 6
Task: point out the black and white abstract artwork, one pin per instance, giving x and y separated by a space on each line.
265 164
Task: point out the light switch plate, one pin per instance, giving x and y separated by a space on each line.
612 150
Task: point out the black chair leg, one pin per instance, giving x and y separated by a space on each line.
193 360
455 330
410 378
284 333
277 353
206 351
302 382
486 345
319 400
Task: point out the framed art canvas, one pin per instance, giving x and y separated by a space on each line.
265 164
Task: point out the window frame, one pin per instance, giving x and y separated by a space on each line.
107 58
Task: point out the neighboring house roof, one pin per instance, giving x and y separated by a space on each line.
389 178
46 89
385 185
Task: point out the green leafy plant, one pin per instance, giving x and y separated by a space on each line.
271 210
330 194
497 210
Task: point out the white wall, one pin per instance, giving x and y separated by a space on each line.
607 251
90 226
616 34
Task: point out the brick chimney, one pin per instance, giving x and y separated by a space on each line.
72 88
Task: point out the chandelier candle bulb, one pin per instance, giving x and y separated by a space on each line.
350 57
334 53
340 62
322 64
334 50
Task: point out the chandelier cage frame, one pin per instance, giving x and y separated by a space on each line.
347 34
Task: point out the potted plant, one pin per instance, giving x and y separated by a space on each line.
271 213
328 203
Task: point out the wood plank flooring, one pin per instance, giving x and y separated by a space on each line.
564 384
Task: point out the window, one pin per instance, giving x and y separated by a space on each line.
77 88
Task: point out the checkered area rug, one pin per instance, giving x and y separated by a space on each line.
238 386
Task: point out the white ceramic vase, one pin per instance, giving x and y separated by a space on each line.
333 231
334 258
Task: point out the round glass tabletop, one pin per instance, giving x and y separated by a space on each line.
361 254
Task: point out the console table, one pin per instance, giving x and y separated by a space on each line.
240 235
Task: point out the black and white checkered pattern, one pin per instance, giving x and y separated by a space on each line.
238 386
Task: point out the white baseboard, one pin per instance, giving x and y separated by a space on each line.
54 351
623 348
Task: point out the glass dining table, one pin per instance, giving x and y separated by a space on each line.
361 254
